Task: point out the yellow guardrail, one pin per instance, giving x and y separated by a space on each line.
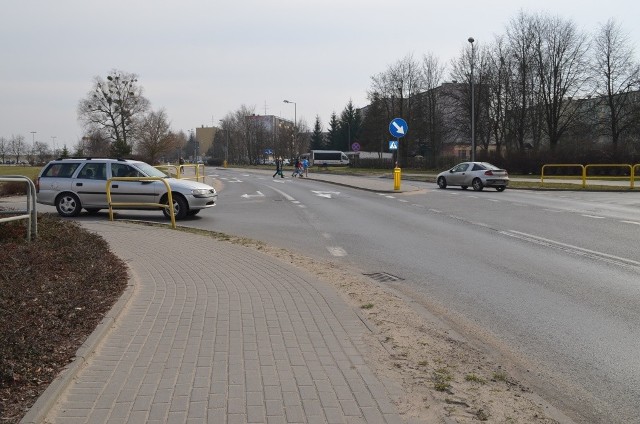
169 204
30 214
584 172
612 165
564 165
179 170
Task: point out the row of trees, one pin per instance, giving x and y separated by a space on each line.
541 86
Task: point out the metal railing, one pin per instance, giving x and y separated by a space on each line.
30 214
179 170
169 204
584 172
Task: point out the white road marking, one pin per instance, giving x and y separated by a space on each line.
337 251
283 194
247 196
586 252
403 201
389 197
593 216
326 194
631 222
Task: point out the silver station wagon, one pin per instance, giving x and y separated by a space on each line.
81 183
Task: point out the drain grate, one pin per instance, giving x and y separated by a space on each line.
383 277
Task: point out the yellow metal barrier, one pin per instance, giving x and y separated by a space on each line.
585 168
609 165
159 205
565 165
179 170
397 176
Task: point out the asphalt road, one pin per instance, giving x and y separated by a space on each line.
550 279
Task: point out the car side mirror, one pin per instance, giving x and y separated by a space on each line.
451 171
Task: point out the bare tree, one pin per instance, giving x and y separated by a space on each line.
501 94
560 52
112 106
430 122
521 34
461 71
17 146
396 89
616 76
4 148
155 139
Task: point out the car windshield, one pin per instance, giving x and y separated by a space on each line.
150 170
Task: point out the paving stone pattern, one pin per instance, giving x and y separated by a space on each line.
219 333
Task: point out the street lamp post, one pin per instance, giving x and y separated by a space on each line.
473 114
295 123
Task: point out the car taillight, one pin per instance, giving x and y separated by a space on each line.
37 184
488 173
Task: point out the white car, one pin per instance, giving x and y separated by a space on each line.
475 174
81 183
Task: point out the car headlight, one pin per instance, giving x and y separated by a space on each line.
200 192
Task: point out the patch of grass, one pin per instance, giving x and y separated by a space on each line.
367 306
475 379
441 379
500 376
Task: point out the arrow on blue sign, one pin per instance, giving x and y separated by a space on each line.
398 127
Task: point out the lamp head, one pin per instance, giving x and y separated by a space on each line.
471 40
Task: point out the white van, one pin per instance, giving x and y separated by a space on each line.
326 158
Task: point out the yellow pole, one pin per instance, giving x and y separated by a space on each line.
397 174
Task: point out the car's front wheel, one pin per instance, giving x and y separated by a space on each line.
442 182
477 184
180 207
68 205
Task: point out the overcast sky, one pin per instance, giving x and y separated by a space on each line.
200 60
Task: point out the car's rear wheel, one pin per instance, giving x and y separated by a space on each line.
500 188
442 182
68 205
477 184
180 207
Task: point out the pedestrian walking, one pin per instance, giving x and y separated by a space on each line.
296 168
305 166
278 168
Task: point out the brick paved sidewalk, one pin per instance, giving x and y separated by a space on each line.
219 333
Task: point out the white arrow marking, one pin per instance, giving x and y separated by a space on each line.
246 196
337 251
326 194
399 128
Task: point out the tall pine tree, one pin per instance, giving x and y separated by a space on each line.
333 134
317 137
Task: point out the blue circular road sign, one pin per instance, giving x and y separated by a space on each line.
398 127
